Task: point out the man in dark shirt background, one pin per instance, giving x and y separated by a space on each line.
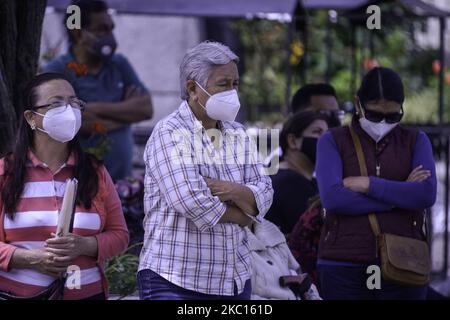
115 96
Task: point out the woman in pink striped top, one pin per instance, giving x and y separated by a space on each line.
32 184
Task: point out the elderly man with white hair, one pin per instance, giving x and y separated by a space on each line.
203 185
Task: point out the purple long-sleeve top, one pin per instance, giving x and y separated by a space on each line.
383 194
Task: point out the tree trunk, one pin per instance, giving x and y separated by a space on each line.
20 37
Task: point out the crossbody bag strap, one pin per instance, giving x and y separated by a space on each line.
359 152
363 170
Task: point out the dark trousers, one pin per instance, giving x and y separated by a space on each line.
154 287
350 283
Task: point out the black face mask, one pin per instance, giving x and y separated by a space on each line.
309 148
105 46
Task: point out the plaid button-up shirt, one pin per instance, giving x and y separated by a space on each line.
184 241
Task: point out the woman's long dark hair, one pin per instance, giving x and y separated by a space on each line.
14 177
381 83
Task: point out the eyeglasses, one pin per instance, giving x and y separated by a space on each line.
73 102
375 116
338 113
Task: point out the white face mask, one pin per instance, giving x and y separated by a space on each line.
223 106
62 123
376 130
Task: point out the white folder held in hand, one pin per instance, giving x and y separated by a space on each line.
68 208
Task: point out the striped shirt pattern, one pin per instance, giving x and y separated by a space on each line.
183 242
36 217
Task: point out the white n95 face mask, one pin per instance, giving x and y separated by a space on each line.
376 130
61 123
223 106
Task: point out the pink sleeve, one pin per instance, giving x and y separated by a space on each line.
6 250
114 238
6 253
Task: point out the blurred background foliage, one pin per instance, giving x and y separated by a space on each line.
265 50
121 273
262 86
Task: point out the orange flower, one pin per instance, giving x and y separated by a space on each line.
436 66
80 69
99 128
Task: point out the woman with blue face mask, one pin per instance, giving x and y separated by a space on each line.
381 187
33 179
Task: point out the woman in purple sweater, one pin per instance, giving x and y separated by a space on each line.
401 184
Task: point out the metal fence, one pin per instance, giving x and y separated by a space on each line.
440 140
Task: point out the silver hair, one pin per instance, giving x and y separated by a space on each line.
197 63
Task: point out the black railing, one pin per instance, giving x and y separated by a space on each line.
440 141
